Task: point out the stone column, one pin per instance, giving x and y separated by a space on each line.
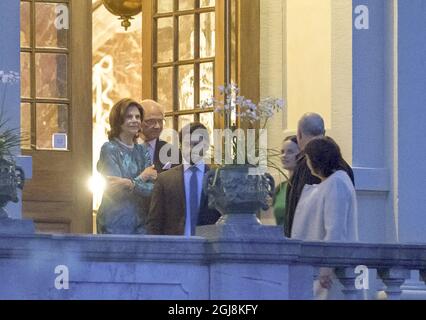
347 278
372 106
393 278
10 61
411 220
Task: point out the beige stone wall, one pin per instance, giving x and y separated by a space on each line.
306 58
306 49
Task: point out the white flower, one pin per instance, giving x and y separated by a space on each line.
9 77
244 108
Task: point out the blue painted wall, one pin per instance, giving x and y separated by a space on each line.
368 87
412 120
10 55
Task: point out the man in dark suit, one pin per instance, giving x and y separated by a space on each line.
310 126
152 127
178 202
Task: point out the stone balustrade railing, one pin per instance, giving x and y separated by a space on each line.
146 267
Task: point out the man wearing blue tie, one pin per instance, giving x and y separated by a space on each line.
179 203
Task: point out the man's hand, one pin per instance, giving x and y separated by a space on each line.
325 277
149 174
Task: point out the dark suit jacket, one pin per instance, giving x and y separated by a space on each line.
301 176
167 213
146 201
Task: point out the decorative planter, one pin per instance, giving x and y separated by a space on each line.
237 194
11 178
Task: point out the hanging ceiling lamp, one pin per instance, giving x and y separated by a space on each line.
125 9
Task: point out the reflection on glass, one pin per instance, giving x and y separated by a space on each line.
186 5
25 24
167 125
47 34
117 73
50 119
207 3
117 59
186 37
208 120
25 75
184 120
206 81
186 87
51 75
164 6
207 34
25 125
165 88
165 40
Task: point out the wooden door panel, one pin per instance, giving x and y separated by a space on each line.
57 197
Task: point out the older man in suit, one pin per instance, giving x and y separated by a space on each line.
179 202
152 127
310 126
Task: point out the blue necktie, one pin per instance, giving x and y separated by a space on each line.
194 205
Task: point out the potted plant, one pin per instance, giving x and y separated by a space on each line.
240 186
11 176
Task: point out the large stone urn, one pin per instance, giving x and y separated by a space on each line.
238 192
11 178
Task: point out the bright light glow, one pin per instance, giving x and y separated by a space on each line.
97 186
102 105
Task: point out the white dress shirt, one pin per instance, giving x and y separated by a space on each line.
187 173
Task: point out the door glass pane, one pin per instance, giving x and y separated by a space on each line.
208 120
186 87
51 75
168 125
165 40
186 37
25 125
51 126
207 34
186 5
207 3
184 120
117 65
25 24
165 88
164 6
206 81
51 26
25 74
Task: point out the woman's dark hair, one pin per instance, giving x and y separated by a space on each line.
291 138
325 156
117 114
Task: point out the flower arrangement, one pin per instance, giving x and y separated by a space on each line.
244 108
232 103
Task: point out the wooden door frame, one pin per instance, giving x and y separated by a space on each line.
81 83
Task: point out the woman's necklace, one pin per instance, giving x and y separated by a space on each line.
124 144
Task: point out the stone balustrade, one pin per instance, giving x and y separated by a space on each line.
148 267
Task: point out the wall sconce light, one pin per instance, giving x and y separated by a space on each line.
125 9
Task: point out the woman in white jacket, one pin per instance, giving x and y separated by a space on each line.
327 211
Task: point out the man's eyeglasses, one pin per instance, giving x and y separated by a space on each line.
153 122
